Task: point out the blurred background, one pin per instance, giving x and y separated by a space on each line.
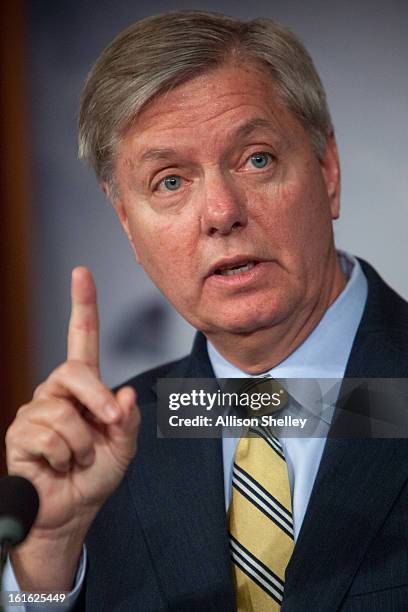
53 217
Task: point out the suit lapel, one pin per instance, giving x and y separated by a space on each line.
182 508
358 479
338 528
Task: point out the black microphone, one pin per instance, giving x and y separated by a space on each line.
19 503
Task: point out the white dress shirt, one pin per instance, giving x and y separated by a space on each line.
324 354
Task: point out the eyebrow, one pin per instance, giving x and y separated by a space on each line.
252 125
241 132
158 154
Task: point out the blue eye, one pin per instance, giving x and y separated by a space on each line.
172 183
260 160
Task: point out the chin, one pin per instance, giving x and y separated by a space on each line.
247 315
245 322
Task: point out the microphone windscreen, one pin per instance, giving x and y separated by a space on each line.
19 503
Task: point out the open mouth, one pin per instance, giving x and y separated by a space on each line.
239 269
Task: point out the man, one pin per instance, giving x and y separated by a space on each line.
213 141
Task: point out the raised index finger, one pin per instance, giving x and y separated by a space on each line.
83 330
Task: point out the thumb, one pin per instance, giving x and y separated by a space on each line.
123 433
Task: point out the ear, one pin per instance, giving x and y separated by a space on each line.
120 210
331 173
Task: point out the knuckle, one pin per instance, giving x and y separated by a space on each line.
10 435
16 433
105 397
81 443
50 440
40 391
73 368
22 410
68 369
85 325
62 411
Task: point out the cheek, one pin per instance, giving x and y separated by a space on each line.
281 210
162 246
308 206
296 215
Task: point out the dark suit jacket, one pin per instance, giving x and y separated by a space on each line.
160 542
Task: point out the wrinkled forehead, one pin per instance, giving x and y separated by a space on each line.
211 86
216 107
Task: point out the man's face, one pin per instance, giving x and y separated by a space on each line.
218 176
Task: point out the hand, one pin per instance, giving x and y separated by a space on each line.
75 439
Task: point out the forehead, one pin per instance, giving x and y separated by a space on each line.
228 102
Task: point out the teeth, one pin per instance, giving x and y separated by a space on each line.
232 271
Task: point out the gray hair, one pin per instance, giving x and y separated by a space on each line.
157 53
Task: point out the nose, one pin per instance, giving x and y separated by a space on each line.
224 207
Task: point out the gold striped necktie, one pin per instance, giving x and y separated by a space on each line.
260 522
